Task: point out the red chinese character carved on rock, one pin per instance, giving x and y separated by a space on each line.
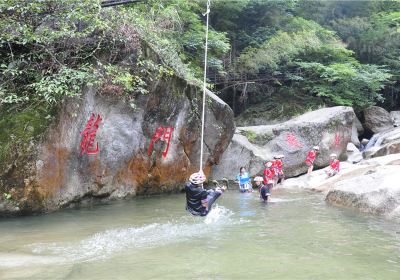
164 134
336 143
292 141
89 135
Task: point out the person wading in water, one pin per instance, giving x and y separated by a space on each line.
198 200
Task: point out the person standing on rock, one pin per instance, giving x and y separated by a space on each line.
243 180
334 166
277 165
310 159
264 189
198 200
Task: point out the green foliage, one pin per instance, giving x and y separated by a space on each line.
370 29
45 21
350 84
66 82
20 128
300 37
250 135
314 60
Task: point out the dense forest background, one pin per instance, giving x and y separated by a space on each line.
268 59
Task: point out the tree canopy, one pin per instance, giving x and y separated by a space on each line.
336 52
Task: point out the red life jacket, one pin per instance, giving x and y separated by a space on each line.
335 164
278 167
268 175
311 157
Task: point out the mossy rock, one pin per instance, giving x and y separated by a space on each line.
18 130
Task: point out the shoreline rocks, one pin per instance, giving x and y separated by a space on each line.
370 186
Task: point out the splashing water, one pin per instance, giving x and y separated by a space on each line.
105 244
154 238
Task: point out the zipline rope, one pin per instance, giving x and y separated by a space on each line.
204 87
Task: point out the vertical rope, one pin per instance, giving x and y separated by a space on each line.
204 87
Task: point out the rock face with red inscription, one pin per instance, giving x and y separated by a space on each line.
64 171
329 128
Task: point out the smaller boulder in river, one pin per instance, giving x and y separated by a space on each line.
377 119
375 191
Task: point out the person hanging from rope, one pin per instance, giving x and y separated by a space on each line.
310 159
198 200
334 166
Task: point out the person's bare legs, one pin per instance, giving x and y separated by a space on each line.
310 169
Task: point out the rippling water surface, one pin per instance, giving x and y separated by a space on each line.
296 236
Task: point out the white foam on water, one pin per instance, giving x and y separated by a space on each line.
278 200
17 260
107 243
217 213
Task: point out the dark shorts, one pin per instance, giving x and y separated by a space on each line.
265 192
309 163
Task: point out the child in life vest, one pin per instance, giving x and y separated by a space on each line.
334 166
310 159
277 165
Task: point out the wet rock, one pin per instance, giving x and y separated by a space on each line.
60 175
354 155
383 143
377 119
395 115
375 191
358 126
318 180
330 128
357 131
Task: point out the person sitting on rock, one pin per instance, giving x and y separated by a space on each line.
268 173
277 165
334 166
198 200
264 190
243 180
310 159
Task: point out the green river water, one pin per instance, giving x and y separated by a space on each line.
296 236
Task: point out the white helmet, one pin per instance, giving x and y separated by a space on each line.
268 164
316 148
197 178
258 179
333 155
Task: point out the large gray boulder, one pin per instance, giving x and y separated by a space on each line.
58 175
375 191
330 128
377 119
